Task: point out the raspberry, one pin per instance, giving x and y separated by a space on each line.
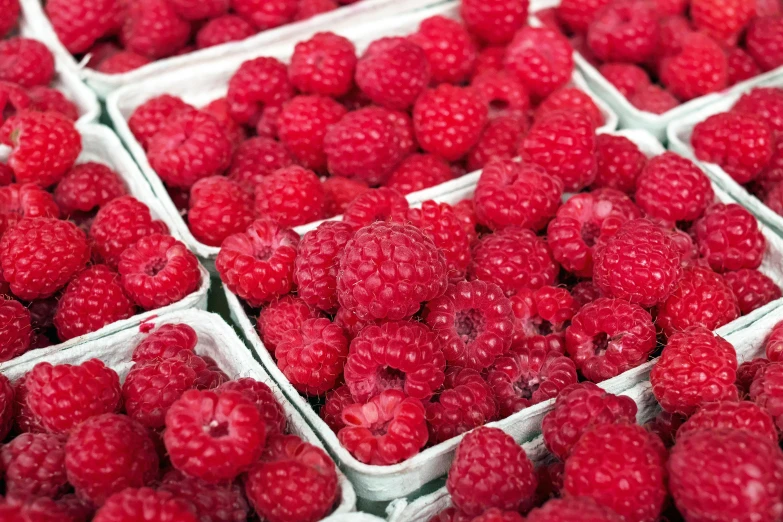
88 186
628 477
564 144
774 348
466 214
763 42
92 300
145 505
729 238
496 21
40 255
34 466
290 196
46 99
258 84
449 48
315 269
351 324
268 122
627 78
24 201
219 207
448 120
26 62
381 204
513 258
568 99
388 429
490 471
653 99
466 403
620 162
323 65
11 9
152 28
364 145
223 29
540 318
499 140
752 289
256 158
310 8
417 172
151 116
78 25
276 319
39 509
528 376
699 68
747 372
709 471
264 14
440 222
584 509
271 411
189 146
13 99
765 390
45 146
489 59
641 264
577 15
671 188
541 58
122 62
765 103
193 11
695 368
743 415
509 193
213 503
741 66
159 270
303 125
582 222
219 110
624 31
393 72
6 406
332 410
108 453
390 282
721 19
165 342
312 356
340 192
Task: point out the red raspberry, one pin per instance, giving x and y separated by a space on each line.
92 300
702 298
569 99
768 8
695 368
448 120
13 99
340 192
528 376
729 238
499 141
152 28
381 204
41 509
6 405
24 420
743 415
577 14
11 9
45 146
653 99
699 68
417 172
505 95
710 469
212 502
752 289
541 58
272 413
26 62
721 19
219 207
145 505
34 466
774 346
747 372
620 162
223 29
627 78
541 316
509 193
641 264
413 271
393 72
495 21
489 59
564 144
473 321
351 324
628 477
440 222
513 258
766 390
332 411
303 125
165 342
323 65
267 122
189 146
78 25
258 84
765 103
213 436
466 403
46 99
151 116
290 196
763 42
388 429
122 62
108 453
310 8
192 11
88 186
315 269
312 356
490 470
466 214
584 509
159 270
280 316
289 470
449 48
40 255
364 145
255 158
624 31
264 14
741 66
24 201
219 110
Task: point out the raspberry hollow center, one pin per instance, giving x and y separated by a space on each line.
600 344
590 233
216 429
263 252
469 324
154 266
390 379
525 388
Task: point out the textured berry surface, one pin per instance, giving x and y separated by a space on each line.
212 503
323 65
774 344
257 84
79 24
11 8
653 99
26 62
672 188
441 223
499 141
255 158
219 207
24 201
302 127
122 62
624 31
541 58
494 21
150 116
88 186
165 342
744 415
145 505
721 19
34 465
153 29
417 172
315 268
6 406
312 356
765 390
381 204
449 48
763 42
290 196
266 15
729 238
746 372
466 403
393 72
699 68
625 77
571 98
286 313
577 15
271 410
584 509
223 29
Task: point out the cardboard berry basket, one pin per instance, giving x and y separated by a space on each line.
202 85
630 116
216 339
383 483
679 134
361 12
101 145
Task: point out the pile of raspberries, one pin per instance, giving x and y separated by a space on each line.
409 326
712 454
117 36
76 251
298 143
26 72
177 441
661 53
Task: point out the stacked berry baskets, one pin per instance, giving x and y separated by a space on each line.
96 205
93 418
608 340
319 134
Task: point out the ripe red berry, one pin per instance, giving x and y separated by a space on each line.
323 65
499 141
441 223
419 171
392 72
24 201
213 503
721 19
312 356
741 66
290 196
653 99
619 163
767 388
699 68
258 84
280 316
577 15
310 8
150 116
46 99
152 28
6 405
743 415
25 62
671 188
145 505
729 238
272 412
223 29
340 192
266 15
79 25
303 125
255 158
626 77
87 187
11 9
466 403
752 289
763 42
219 207
34 465
122 62
494 21
449 48
315 269
381 204
541 58
624 31
747 371
584 509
